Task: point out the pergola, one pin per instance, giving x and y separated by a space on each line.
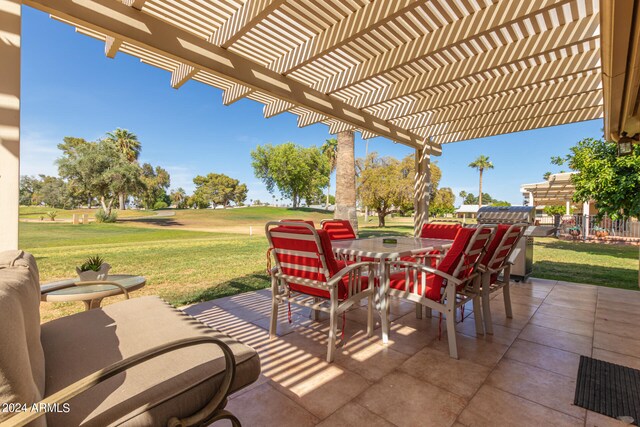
419 73
557 190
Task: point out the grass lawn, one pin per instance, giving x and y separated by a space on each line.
35 212
185 266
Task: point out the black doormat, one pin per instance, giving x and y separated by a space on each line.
608 389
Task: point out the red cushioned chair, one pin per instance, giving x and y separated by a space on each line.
338 229
496 269
307 274
444 288
434 231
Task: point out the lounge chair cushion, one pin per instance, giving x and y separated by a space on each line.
175 384
435 231
22 377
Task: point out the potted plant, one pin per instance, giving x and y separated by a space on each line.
94 268
600 232
575 231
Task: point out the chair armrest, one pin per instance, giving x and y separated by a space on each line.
348 269
96 378
427 269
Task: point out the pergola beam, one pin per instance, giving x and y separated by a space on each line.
496 15
364 19
277 107
575 64
245 18
111 46
585 100
235 93
525 96
573 116
136 4
564 37
141 29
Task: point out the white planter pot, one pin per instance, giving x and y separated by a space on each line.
89 276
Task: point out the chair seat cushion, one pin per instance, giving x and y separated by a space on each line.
398 282
433 261
177 383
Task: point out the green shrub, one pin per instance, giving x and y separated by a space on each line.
52 215
160 205
101 216
93 263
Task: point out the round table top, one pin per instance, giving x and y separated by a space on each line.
66 290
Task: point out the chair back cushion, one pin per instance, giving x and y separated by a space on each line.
298 255
501 246
462 258
339 229
440 231
22 376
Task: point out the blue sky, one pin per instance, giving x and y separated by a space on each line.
70 88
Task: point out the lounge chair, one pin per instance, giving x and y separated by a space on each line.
136 362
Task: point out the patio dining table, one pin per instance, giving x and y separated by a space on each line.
381 251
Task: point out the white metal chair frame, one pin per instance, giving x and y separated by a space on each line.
504 268
454 294
281 292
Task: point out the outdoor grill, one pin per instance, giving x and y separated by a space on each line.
522 256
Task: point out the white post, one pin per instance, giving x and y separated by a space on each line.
585 219
421 189
531 200
10 26
568 208
250 231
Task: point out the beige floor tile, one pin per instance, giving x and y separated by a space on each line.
231 324
625 296
369 358
492 407
476 350
460 377
538 385
563 324
501 334
408 340
620 329
557 339
620 307
566 313
541 283
529 291
570 302
617 358
618 316
595 419
549 358
320 387
616 344
265 406
353 414
406 401
519 298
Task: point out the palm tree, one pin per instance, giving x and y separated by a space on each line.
481 163
330 151
128 144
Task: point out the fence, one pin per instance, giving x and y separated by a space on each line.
574 226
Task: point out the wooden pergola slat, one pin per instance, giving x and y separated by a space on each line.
141 29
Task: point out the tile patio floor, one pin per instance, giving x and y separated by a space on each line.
522 375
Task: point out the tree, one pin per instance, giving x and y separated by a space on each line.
330 151
297 172
443 202
29 185
155 183
101 170
127 143
70 148
179 198
219 189
53 192
612 182
481 163
555 210
384 183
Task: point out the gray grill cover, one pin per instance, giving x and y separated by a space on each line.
506 214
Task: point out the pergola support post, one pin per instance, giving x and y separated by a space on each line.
568 208
10 22
346 180
421 190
